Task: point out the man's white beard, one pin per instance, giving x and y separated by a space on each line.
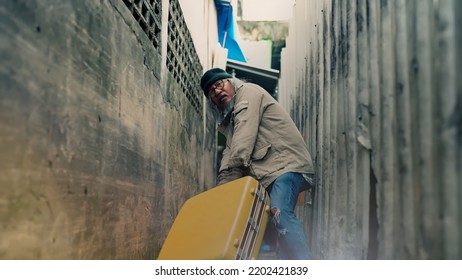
226 110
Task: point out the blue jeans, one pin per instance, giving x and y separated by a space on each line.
284 193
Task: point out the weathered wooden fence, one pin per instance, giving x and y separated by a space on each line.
375 87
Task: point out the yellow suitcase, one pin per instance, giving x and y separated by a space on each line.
226 222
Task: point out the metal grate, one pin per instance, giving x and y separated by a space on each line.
148 14
182 59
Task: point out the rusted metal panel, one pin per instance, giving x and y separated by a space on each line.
377 99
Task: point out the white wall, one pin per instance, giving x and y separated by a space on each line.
201 18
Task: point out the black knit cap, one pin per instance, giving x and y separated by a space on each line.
211 76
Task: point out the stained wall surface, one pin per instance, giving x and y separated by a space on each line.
104 132
375 88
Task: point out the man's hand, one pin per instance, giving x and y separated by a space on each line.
231 174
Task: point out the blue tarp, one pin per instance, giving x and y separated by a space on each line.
227 27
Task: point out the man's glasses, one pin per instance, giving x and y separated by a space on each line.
217 85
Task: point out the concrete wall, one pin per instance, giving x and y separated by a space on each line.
375 88
102 134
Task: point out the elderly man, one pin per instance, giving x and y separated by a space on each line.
262 141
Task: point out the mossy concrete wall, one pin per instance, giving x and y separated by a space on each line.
99 145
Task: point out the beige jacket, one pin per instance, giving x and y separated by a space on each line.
261 138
